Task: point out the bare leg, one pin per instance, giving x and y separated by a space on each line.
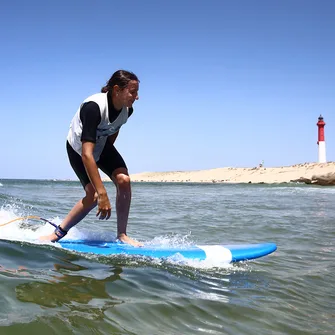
77 213
123 198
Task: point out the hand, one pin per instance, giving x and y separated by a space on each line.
104 207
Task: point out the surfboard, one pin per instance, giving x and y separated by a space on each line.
218 253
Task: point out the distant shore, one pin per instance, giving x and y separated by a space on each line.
267 175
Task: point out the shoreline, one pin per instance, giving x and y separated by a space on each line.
307 172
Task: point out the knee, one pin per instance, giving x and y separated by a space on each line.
123 182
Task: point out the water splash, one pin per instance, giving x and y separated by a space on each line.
171 241
25 230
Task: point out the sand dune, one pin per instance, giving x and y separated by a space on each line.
241 175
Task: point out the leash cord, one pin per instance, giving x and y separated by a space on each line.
31 217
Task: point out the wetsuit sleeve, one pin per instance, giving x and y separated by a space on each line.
90 118
130 111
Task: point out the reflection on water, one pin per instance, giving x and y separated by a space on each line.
70 289
70 286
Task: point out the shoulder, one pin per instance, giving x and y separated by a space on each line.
90 112
98 98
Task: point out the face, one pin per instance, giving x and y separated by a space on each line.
129 94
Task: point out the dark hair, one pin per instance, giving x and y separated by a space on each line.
120 78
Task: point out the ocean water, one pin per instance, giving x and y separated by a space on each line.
45 289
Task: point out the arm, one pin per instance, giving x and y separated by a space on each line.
90 118
91 167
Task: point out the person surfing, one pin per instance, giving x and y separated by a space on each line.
90 147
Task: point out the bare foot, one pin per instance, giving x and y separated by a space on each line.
125 239
49 238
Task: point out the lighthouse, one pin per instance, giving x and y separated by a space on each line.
321 140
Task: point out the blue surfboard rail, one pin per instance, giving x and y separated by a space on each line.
226 253
243 252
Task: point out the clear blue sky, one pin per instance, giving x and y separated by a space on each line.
223 83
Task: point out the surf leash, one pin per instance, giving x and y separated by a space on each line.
31 217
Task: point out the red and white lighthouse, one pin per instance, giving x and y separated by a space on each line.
321 140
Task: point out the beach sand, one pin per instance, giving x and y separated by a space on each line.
240 175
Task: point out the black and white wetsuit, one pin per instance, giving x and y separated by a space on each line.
95 120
